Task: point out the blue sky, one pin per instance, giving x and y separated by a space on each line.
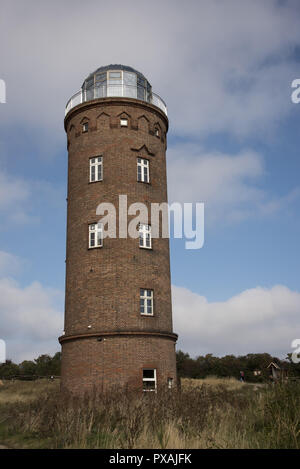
225 71
262 250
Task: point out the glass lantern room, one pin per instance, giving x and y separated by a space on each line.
115 81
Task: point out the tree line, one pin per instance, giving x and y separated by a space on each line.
44 365
231 366
187 367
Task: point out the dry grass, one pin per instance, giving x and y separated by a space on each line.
231 384
25 391
210 413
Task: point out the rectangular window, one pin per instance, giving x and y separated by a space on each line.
124 122
170 383
145 236
114 75
114 84
100 77
146 302
149 380
95 235
96 169
143 170
85 127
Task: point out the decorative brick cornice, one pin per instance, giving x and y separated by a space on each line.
115 101
88 335
147 150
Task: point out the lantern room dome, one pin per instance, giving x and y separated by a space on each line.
116 80
115 67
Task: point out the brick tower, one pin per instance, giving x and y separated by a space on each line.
118 314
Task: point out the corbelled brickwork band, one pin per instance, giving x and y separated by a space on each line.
107 341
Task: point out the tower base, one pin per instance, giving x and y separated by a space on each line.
105 361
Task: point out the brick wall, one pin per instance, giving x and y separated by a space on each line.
116 362
103 284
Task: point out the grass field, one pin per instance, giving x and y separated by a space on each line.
231 384
209 413
25 391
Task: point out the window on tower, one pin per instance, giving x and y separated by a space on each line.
146 302
85 127
96 169
143 170
149 379
95 235
145 236
124 122
170 383
115 75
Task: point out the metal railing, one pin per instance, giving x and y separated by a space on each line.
113 90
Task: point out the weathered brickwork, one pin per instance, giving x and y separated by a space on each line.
116 362
103 284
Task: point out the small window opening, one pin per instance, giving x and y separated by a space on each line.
149 380
95 235
170 383
146 302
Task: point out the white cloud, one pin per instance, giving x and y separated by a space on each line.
229 185
20 198
15 201
31 317
9 264
13 191
221 66
256 320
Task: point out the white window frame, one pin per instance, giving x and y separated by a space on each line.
145 236
170 383
124 122
144 166
96 234
150 380
144 298
114 83
97 163
85 127
114 72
